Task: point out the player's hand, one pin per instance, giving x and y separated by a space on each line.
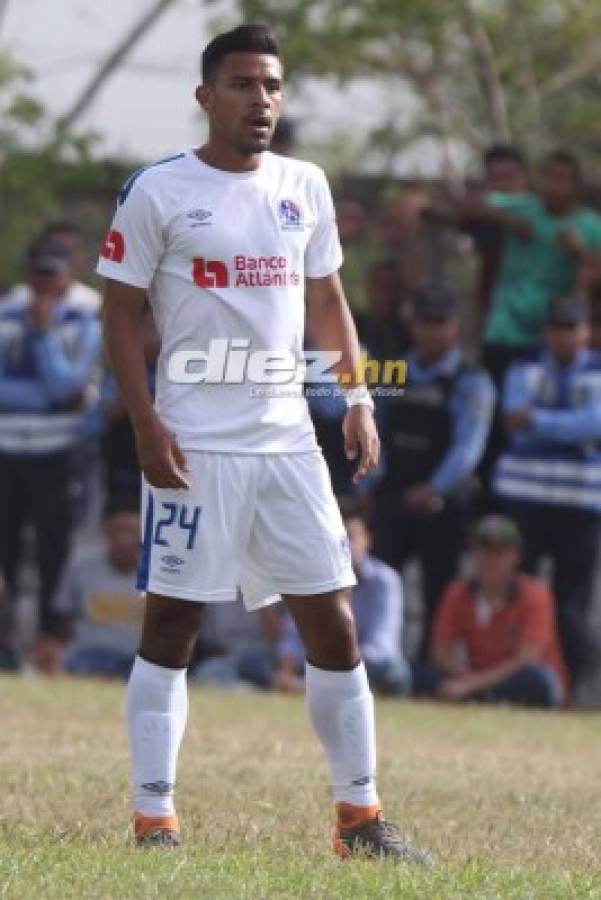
160 456
361 439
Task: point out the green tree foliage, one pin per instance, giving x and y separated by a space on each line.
519 70
44 175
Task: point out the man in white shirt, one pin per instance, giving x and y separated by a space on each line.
236 492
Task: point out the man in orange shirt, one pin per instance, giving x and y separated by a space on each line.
495 637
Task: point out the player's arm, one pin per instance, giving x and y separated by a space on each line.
331 326
159 454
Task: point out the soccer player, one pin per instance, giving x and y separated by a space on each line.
235 490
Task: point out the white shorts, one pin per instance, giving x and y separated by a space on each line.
267 524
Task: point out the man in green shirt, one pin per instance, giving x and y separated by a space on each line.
550 248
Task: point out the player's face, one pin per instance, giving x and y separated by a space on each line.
244 102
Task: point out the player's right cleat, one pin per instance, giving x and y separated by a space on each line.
157 831
362 831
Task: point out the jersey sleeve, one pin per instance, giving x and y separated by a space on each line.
134 245
323 254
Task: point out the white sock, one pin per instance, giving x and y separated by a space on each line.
157 709
341 707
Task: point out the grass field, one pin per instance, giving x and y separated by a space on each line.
508 802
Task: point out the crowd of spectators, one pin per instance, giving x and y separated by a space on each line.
491 461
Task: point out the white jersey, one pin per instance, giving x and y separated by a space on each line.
224 256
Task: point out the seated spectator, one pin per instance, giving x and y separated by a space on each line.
495 638
237 648
378 610
548 477
48 352
77 294
433 437
98 604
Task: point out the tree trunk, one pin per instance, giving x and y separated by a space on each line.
488 73
112 63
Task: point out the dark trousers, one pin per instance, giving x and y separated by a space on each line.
570 537
436 540
34 489
533 685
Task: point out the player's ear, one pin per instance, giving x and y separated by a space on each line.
204 96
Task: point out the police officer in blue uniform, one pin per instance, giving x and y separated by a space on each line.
434 435
549 476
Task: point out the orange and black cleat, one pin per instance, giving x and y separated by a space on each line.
361 831
157 831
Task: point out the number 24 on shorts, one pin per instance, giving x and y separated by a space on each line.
186 520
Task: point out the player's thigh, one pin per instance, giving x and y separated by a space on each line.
194 539
298 535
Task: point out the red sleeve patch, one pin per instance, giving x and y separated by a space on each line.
113 247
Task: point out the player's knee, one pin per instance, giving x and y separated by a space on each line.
334 644
170 631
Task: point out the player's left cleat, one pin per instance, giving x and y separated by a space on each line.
159 831
363 832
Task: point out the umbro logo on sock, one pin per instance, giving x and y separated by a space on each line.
159 787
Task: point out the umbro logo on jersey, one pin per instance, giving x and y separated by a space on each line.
199 217
290 215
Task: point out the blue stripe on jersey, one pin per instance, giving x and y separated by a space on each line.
144 566
124 192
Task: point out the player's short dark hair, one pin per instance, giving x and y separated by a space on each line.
504 153
243 39
567 159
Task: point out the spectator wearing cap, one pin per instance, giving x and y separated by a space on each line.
495 637
433 436
549 477
69 236
48 351
97 603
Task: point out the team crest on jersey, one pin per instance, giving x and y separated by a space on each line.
291 215
199 217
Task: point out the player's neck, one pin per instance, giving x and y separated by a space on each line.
228 159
